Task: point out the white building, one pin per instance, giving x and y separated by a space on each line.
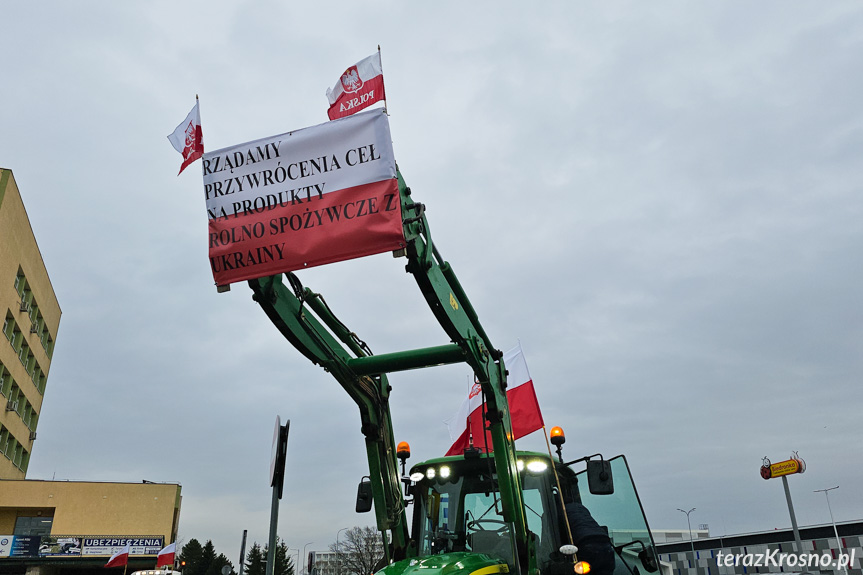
661 536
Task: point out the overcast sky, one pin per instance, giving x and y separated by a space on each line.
661 201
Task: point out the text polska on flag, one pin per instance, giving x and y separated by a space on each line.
188 139
360 86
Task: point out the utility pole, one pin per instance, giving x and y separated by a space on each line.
690 530
277 481
835 531
242 552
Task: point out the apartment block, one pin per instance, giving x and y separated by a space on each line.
31 316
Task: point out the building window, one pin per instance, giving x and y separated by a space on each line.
4 440
33 525
12 403
17 454
9 328
20 282
7 384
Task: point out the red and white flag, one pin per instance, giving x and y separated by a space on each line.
523 408
166 555
359 87
119 558
188 138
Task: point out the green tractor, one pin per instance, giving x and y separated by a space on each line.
458 518
477 513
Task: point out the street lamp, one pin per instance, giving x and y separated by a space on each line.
835 532
690 529
304 554
339 552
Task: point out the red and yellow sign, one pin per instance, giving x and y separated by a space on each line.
787 467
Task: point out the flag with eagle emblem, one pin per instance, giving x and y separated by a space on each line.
359 87
188 139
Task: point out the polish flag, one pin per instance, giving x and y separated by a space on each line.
166 555
359 87
188 139
523 408
119 558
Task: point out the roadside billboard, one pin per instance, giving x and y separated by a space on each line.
64 546
787 467
110 545
77 545
5 545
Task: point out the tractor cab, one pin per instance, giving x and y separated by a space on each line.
458 509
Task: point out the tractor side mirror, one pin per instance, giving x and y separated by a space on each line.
648 559
599 479
364 496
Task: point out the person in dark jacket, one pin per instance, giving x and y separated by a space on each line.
594 545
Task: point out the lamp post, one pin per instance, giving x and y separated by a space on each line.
690 529
835 531
297 566
339 552
304 554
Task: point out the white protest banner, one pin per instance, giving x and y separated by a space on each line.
314 196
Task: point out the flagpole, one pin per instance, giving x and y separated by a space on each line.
557 479
381 60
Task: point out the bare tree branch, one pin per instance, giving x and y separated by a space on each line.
361 550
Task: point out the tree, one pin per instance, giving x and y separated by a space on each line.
208 555
256 561
361 551
284 564
217 563
191 554
202 560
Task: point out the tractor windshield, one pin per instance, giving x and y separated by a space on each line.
457 507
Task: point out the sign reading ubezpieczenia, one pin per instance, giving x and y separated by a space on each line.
305 198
